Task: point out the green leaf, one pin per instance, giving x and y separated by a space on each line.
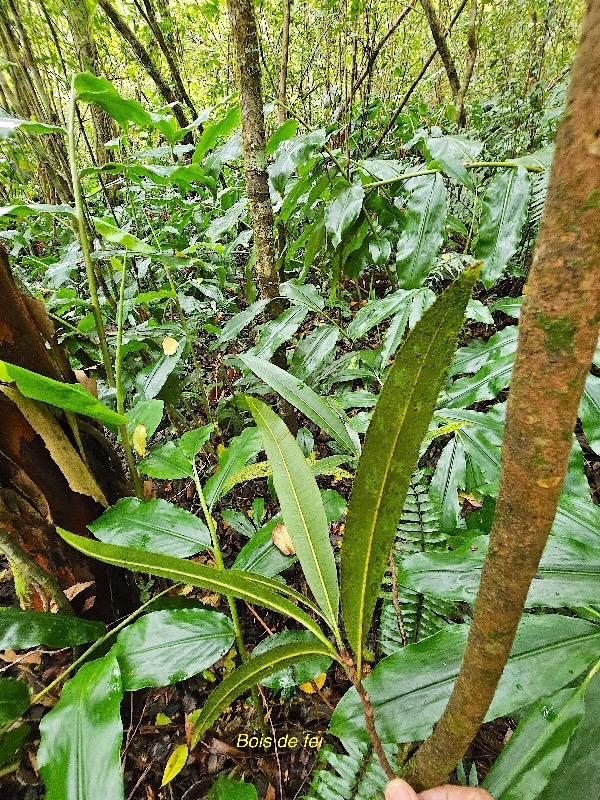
377 310
151 380
157 526
410 689
578 775
304 294
301 508
129 242
568 575
237 323
278 331
491 379
22 629
148 413
391 451
503 214
166 647
423 232
448 477
100 91
69 397
249 674
14 699
79 754
308 402
577 518
212 133
225 788
477 353
302 671
291 155
253 588
175 764
285 131
343 211
168 462
33 209
241 449
314 351
536 748
11 741
589 412
261 556
8 126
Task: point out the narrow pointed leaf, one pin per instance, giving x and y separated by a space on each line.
249 674
589 412
504 210
22 629
302 397
70 397
448 477
342 212
79 755
301 507
391 451
175 764
255 589
424 229
127 240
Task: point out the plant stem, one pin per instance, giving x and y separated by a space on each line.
129 457
239 637
468 165
84 243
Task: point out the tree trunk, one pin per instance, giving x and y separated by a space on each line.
142 55
558 333
35 494
245 40
283 70
442 46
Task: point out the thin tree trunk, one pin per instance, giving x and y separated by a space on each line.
558 333
283 71
245 42
472 43
442 45
142 55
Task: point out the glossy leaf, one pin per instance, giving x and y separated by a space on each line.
22 629
14 699
249 674
303 294
589 412
391 451
241 449
313 351
477 353
68 396
301 508
100 91
168 462
291 155
536 748
448 477
127 240
504 210
166 647
486 384
148 413
377 310
284 132
577 518
343 211
261 556
175 764
225 788
423 231
156 525
278 331
151 380
253 588
11 741
568 575
79 754
303 670
578 775
8 126
308 402
212 133
410 689
33 209
192 442
238 322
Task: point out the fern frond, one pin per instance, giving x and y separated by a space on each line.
355 775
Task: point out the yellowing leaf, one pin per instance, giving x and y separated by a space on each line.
175 763
319 682
162 719
139 440
170 346
282 540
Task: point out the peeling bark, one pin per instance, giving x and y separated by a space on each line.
245 39
558 333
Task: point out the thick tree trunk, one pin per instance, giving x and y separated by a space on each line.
245 39
35 494
558 333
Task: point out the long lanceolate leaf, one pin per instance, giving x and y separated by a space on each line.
305 400
252 588
391 451
251 673
302 508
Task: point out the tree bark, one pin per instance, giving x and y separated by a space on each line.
283 70
442 45
245 41
558 333
473 44
35 495
142 55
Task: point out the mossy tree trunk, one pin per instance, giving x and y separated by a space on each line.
246 47
558 333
